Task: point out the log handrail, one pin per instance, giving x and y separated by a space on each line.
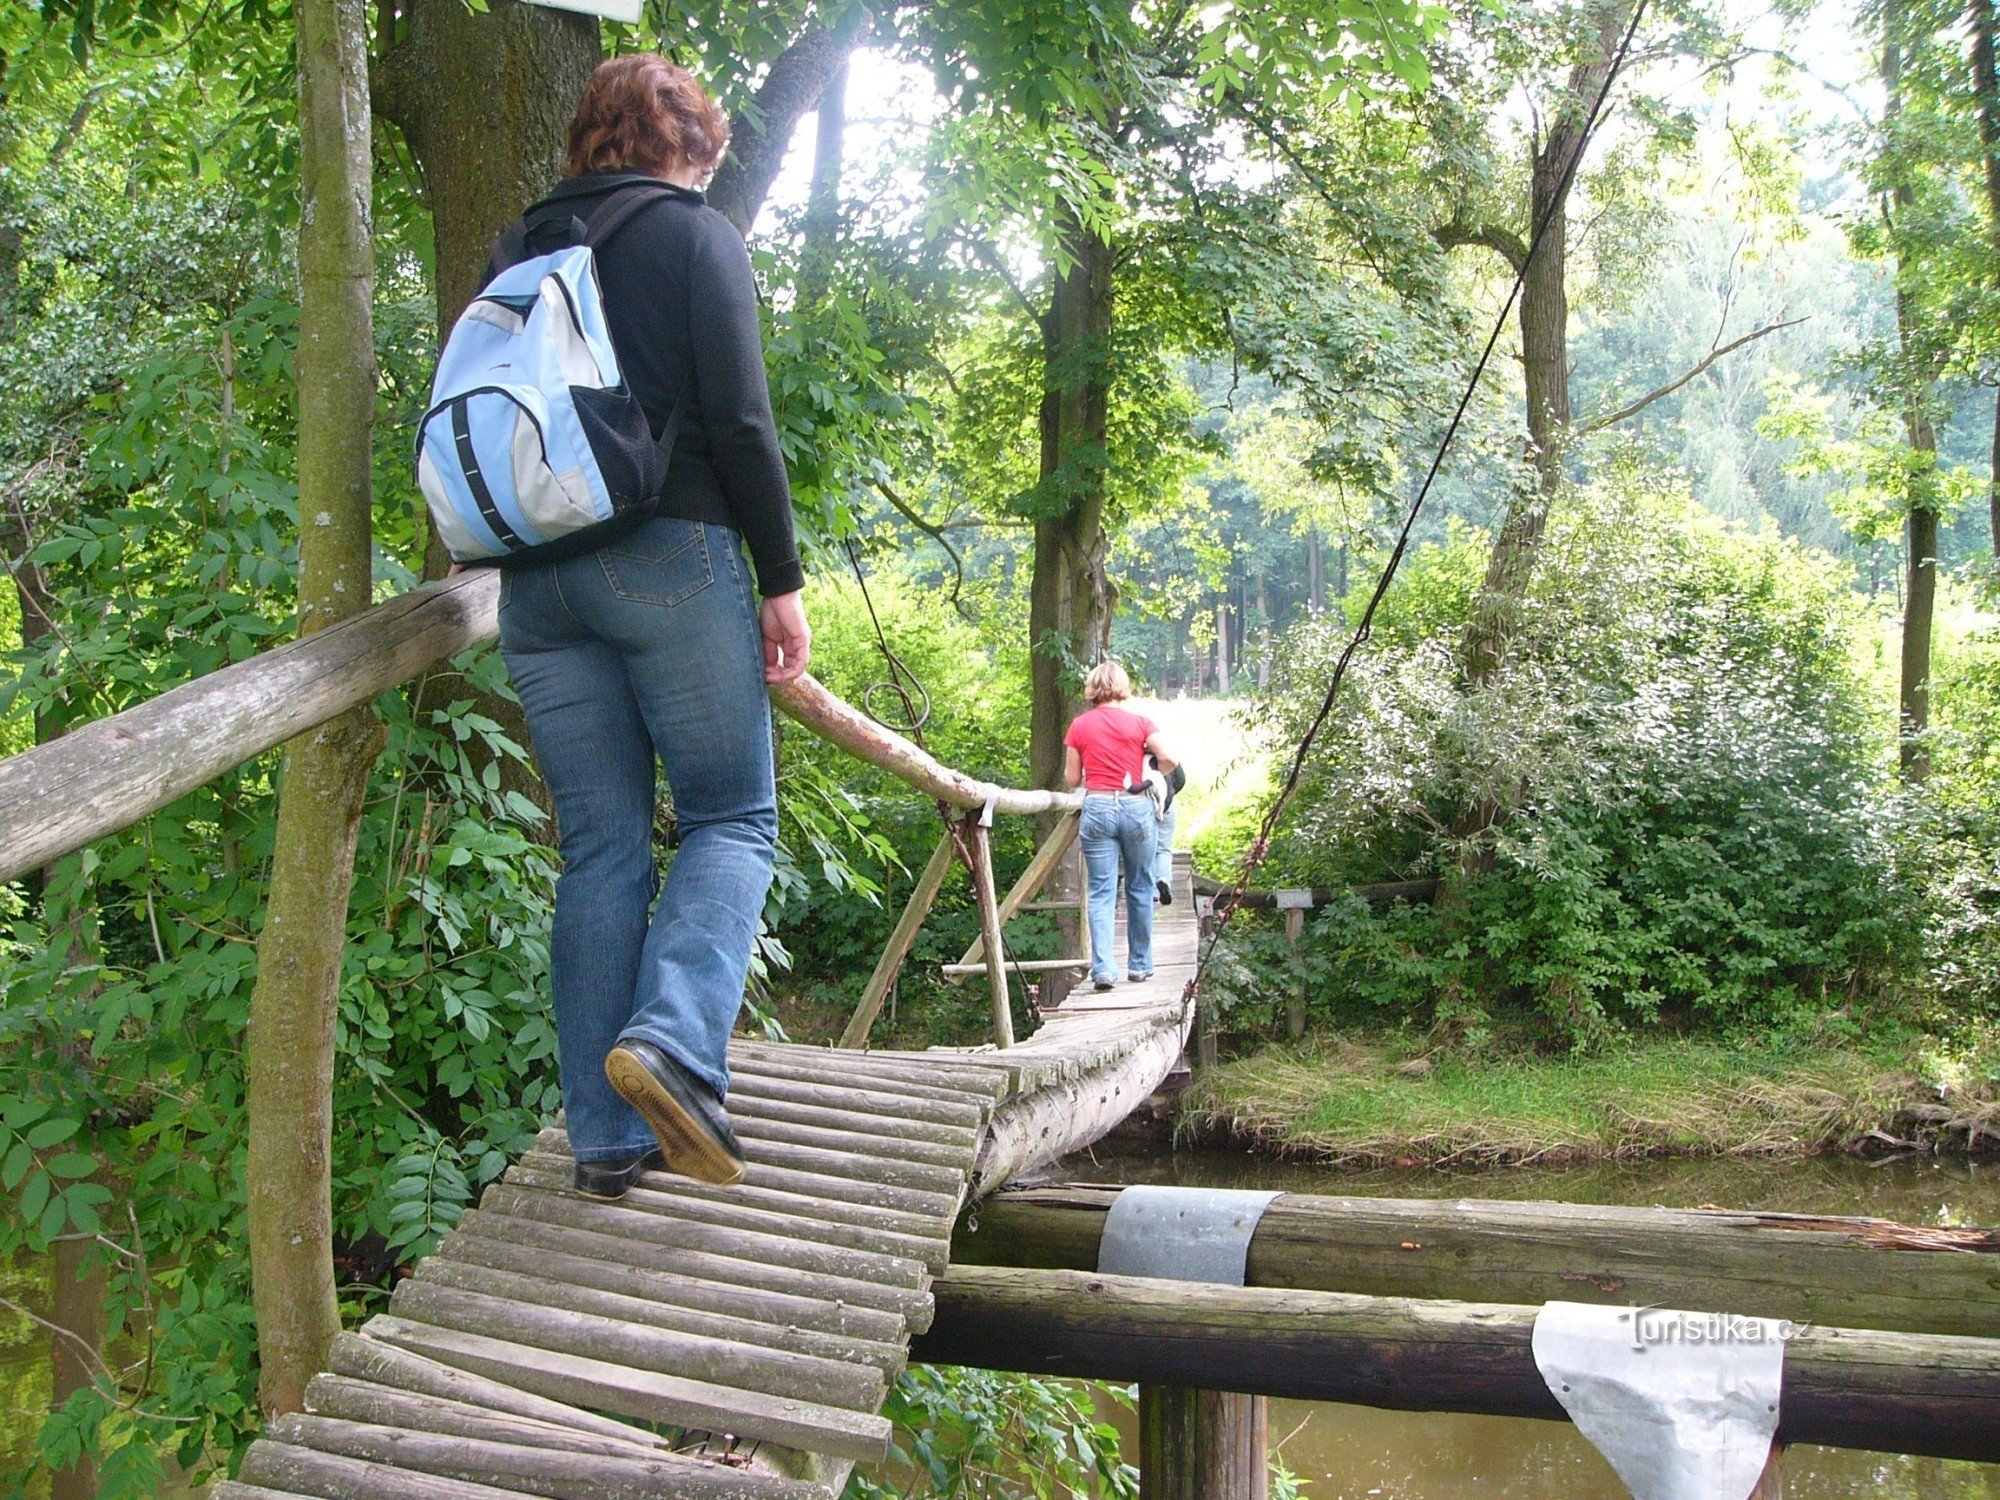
108 774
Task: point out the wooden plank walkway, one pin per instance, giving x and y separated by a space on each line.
699 1341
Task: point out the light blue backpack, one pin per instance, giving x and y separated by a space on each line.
533 447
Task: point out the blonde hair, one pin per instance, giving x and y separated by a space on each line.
1107 683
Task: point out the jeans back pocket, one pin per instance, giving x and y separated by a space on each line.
663 562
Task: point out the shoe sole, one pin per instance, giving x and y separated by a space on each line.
689 1148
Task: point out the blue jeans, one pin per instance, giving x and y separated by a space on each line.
1163 845
1118 831
647 647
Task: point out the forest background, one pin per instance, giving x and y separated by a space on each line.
1087 330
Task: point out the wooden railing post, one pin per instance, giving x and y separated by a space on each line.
979 847
1202 1445
1295 904
922 895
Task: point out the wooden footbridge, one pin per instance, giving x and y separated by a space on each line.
688 1340
700 1341
706 1341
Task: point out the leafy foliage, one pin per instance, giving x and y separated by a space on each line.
1691 760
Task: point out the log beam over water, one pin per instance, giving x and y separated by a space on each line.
1849 1388
1846 1272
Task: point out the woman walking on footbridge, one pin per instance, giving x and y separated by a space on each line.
1105 754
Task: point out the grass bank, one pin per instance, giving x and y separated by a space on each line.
1380 1101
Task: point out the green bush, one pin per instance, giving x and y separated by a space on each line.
1692 772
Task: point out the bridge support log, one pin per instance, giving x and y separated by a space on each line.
1202 1445
907 927
1848 1272
1844 1387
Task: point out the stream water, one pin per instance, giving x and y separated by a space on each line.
1349 1452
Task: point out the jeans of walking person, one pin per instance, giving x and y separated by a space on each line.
1117 834
1163 845
645 648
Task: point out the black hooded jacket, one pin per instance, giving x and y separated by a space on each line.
680 299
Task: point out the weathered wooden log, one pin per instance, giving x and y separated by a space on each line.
922 895
895 1147
364 1401
547 1283
855 1165
905 1302
714 1239
1203 1445
1854 1273
923 1226
656 1273
1928 1394
642 1346
979 845
302 1471
104 776
1022 893
531 1470
822 1091
647 1394
384 1364
1321 895
746 1108
843 725
940 1206
939 1078
657 1192
1051 1122
856 1161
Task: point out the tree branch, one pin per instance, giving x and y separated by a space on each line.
936 534
761 132
1612 419
1502 241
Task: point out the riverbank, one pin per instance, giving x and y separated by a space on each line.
1368 1100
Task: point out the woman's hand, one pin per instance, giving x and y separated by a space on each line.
787 636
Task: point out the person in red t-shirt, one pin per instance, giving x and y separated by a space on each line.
1106 756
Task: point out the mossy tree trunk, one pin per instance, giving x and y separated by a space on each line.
1071 597
1986 90
289 1051
1919 430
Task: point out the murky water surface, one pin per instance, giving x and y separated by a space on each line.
1351 1452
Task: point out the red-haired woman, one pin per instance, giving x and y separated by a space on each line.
655 646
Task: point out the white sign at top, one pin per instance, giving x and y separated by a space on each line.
612 10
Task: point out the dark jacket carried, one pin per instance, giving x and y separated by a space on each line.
681 305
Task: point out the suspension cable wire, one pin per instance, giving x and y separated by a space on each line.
1227 906
916 698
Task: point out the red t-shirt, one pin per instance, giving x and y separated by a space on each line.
1112 743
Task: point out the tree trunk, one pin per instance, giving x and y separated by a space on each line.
1544 329
1914 700
1921 534
289 1048
1071 599
77 1276
1202 1445
760 136
485 101
822 221
1986 89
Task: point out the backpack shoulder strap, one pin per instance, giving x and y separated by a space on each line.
510 249
616 211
